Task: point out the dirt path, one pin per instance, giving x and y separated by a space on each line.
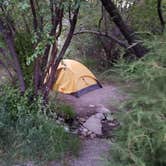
107 96
95 150
93 153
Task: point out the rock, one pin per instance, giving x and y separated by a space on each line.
101 109
94 125
93 135
112 124
58 122
82 120
91 105
100 116
84 130
89 133
66 128
61 119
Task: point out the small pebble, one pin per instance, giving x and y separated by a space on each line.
89 133
93 135
85 130
82 120
112 124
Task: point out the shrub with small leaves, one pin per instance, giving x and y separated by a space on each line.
141 139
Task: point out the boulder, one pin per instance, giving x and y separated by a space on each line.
100 116
94 125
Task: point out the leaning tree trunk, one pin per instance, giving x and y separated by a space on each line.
8 38
159 10
138 49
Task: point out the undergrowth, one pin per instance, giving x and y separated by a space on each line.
141 138
27 131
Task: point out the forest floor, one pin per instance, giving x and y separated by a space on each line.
93 151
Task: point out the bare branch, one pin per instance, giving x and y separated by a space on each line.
159 10
110 37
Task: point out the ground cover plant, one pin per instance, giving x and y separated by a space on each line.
27 131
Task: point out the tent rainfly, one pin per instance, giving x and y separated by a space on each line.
74 78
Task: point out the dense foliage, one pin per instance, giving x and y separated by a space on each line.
35 33
27 131
141 139
146 20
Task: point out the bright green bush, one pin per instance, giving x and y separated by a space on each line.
26 133
66 111
141 139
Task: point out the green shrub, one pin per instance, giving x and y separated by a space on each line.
147 19
26 133
66 111
24 48
141 139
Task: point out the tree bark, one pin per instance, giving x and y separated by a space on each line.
103 34
159 10
138 49
36 74
9 42
52 75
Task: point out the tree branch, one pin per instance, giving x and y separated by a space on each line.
110 37
159 10
35 21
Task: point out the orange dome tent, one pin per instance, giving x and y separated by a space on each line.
74 78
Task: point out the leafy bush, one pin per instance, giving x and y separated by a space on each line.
66 111
147 19
141 139
24 48
26 133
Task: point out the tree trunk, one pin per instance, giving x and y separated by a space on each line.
9 42
52 75
159 10
127 32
